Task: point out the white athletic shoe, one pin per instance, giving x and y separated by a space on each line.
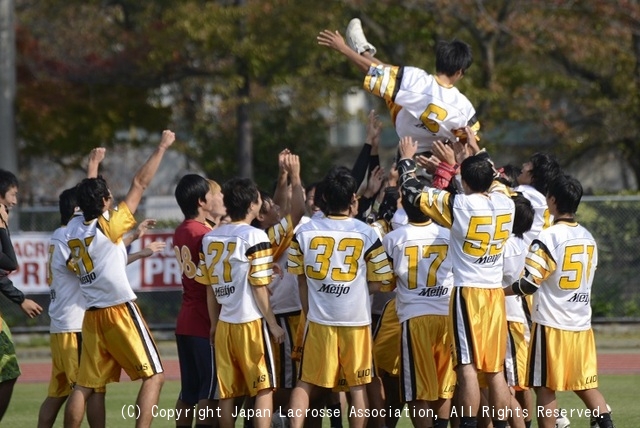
356 39
562 422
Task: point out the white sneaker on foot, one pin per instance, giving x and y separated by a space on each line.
562 422
356 39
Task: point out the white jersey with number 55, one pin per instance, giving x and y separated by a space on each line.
480 225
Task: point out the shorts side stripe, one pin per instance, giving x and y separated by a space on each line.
79 344
286 363
462 330
511 360
268 354
408 375
147 341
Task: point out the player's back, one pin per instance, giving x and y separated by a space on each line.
338 255
237 257
193 318
430 110
541 219
422 267
100 257
481 225
67 304
565 256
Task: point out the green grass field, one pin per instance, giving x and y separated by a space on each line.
620 391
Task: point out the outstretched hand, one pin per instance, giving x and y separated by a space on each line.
332 39
144 226
407 148
374 128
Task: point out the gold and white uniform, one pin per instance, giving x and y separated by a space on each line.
421 107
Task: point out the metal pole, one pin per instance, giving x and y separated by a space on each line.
8 152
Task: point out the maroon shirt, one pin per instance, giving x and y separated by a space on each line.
193 318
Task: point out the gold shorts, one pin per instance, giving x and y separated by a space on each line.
327 349
286 366
65 355
479 327
116 338
426 364
386 340
515 362
244 358
562 360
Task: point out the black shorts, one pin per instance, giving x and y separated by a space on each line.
198 376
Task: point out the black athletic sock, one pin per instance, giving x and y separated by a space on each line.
441 423
527 424
499 424
468 422
604 421
336 415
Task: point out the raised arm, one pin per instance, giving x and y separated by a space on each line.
281 195
292 166
333 40
147 171
95 157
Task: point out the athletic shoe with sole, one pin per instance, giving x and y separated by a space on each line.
356 39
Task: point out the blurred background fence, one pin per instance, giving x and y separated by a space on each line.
613 220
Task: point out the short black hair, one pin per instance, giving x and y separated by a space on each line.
318 197
567 191
239 194
91 193
7 180
190 190
509 175
263 209
524 213
544 169
414 214
478 173
452 56
338 188
67 203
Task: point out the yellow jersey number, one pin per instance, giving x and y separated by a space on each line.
437 252
349 249
427 117
80 255
573 264
478 241
217 249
